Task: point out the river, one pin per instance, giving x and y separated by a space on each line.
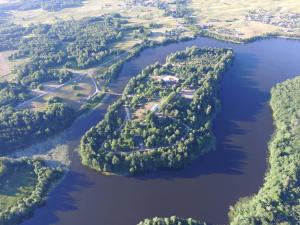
207 188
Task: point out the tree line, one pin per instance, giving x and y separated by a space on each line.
173 220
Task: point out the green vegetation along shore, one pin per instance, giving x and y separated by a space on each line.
163 120
277 202
24 185
170 221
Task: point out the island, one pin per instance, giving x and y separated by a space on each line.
163 119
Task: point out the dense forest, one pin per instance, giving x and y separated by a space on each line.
170 138
18 127
49 5
11 35
277 202
170 221
12 93
26 194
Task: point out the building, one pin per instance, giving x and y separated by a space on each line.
155 108
170 79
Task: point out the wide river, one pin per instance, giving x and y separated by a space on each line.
207 188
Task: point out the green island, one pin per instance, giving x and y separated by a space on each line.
163 119
24 184
277 202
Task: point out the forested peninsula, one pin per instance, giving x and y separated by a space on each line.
24 185
163 119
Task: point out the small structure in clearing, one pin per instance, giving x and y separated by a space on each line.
155 108
168 79
187 93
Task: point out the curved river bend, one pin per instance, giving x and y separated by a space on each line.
207 188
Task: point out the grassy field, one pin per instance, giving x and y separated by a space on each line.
231 16
6 66
75 93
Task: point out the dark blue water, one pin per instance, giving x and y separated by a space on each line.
207 188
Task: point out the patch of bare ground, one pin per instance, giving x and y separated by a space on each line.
5 64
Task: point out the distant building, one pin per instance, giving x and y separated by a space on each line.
170 79
155 108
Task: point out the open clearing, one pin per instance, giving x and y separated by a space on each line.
74 93
7 65
4 64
